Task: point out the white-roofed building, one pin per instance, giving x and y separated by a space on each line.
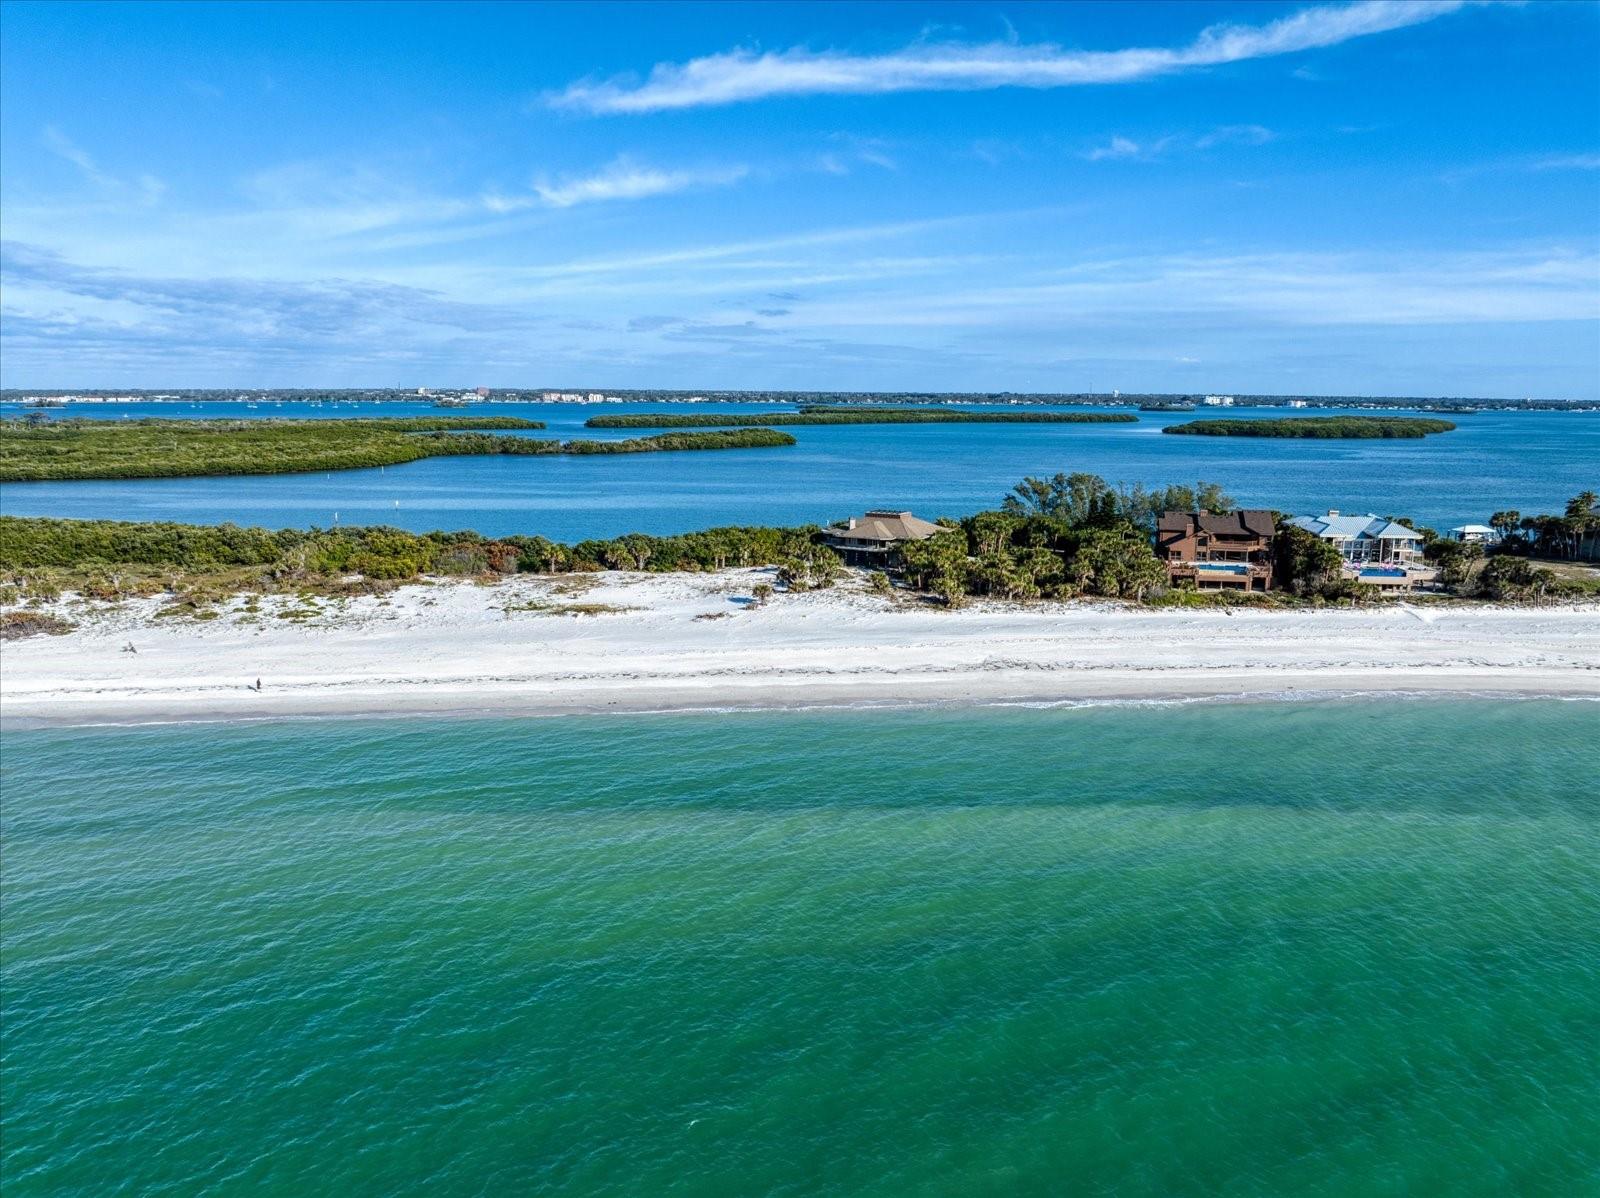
1474 534
1366 538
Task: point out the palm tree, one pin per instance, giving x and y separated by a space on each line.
1505 523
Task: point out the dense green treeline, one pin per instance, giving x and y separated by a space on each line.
1574 535
292 556
849 415
32 451
476 444
1059 537
1343 427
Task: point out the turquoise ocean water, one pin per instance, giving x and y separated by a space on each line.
1318 948
1530 461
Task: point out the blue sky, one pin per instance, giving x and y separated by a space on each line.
1378 198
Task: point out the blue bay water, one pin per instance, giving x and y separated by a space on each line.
1320 948
1530 461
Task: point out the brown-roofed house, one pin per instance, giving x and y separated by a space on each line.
875 539
1233 550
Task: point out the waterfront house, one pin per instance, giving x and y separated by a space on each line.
875 538
1474 534
1366 538
1232 551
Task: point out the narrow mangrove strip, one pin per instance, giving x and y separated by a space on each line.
111 449
1341 427
832 414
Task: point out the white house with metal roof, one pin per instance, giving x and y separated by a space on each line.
1366 538
1474 534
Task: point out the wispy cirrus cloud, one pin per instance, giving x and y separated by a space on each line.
1523 163
1567 162
622 180
1117 147
146 187
930 316
1224 135
330 308
1235 135
1326 290
57 311
740 76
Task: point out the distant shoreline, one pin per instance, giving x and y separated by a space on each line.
538 395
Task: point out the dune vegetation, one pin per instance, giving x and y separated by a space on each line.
199 565
1330 427
838 414
32 451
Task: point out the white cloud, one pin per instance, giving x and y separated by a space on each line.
1568 162
1314 290
871 150
62 146
854 151
1225 135
744 75
145 188
1117 147
1235 135
1548 162
622 180
677 259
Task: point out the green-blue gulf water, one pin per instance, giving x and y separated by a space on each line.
1341 948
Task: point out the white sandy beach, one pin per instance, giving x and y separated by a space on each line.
696 641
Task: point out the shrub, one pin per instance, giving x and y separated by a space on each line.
15 625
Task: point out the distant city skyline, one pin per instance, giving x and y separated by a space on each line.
1373 198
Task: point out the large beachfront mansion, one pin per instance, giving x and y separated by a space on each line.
1369 538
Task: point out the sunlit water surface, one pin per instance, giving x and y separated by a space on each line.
1529 461
1337 948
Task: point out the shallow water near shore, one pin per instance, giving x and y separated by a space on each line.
1320 948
